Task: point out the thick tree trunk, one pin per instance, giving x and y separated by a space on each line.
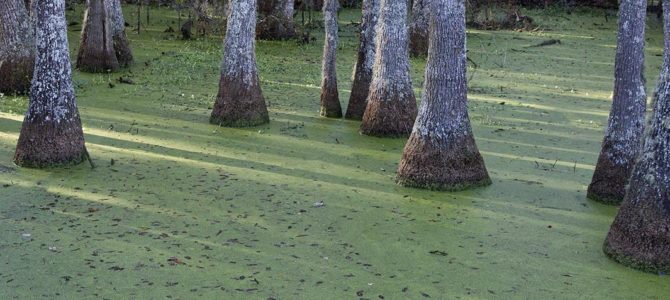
391 107
418 29
330 101
118 26
366 59
626 120
640 234
276 20
240 101
51 134
441 152
96 50
17 47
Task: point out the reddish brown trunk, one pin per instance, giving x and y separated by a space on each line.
366 57
389 114
239 104
96 50
276 20
17 44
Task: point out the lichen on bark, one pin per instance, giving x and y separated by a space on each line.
17 47
121 44
418 29
330 101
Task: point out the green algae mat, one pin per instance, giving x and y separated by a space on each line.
181 209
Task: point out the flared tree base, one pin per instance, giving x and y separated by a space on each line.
609 181
275 28
50 145
442 165
239 104
97 62
124 55
389 115
330 103
357 100
15 75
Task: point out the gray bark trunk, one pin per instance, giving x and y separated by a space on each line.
240 101
366 58
391 107
96 49
51 133
17 47
441 152
121 45
640 234
418 29
330 101
626 121
276 20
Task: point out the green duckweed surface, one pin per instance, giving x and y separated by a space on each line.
178 208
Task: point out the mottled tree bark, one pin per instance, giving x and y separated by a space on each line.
441 152
240 101
391 107
51 134
330 101
366 59
626 120
96 49
118 27
418 29
276 20
17 47
640 234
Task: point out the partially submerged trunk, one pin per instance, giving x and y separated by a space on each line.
626 120
118 27
366 59
330 101
276 20
51 134
441 152
640 234
391 107
240 101
17 47
96 50
418 29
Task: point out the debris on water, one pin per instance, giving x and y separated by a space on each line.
319 204
174 261
26 236
53 248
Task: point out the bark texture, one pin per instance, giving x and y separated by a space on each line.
366 59
391 107
441 152
418 29
640 234
626 120
330 101
17 47
124 54
96 50
240 101
51 134
276 20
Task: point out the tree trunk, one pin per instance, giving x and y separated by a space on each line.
240 101
51 134
640 234
626 120
366 59
418 29
441 152
391 108
17 47
330 101
96 50
118 27
276 20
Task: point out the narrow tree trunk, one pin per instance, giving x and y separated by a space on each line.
626 120
330 101
17 47
441 152
51 134
391 107
240 101
366 59
640 234
118 26
276 20
96 49
418 29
